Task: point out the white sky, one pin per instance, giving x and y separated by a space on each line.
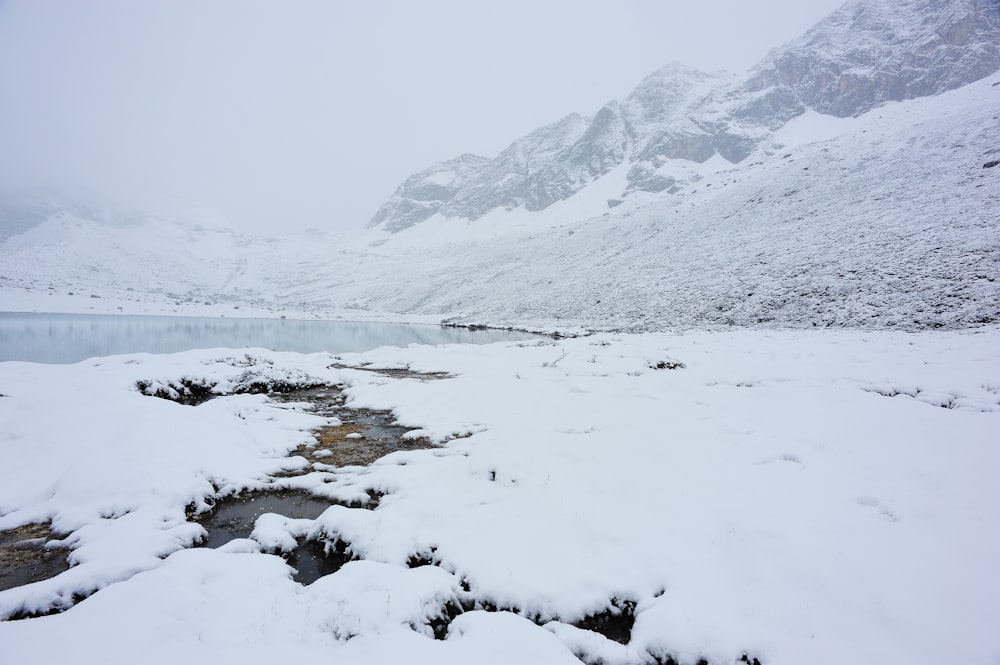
282 115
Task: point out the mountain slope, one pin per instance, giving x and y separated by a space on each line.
884 220
891 223
865 54
424 193
868 53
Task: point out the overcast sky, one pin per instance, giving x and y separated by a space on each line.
283 115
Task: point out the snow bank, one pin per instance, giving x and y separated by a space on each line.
785 495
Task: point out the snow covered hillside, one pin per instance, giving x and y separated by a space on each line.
820 497
892 222
887 219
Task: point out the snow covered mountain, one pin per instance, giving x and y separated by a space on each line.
867 53
770 200
427 191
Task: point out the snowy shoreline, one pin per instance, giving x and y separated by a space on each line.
18 301
26 301
796 496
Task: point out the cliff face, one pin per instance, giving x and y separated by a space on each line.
423 194
865 54
868 53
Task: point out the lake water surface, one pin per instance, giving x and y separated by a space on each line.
67 338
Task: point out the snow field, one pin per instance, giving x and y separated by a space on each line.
766 498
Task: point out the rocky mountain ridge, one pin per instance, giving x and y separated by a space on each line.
887 220
861 56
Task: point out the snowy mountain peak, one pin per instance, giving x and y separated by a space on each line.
869 52
423 194
865 54
664 91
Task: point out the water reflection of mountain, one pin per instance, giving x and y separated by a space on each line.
63 338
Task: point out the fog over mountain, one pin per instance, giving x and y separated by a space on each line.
277 117
847 179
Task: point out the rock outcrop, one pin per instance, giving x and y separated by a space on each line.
861 56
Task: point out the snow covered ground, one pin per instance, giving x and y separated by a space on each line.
798 497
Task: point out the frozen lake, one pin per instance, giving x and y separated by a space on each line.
68 338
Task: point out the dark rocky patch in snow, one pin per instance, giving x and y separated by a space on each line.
614 623
72 600
447 613
258 377
194 391
668 364
399 372
428 558
669 660
27 554
188 391
942 399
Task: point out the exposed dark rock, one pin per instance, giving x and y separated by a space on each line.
423 559
194 391
424 193
668 364
191 392
614 623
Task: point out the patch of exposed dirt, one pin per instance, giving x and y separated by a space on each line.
363 435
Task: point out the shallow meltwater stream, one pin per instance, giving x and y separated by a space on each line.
26 557
363 436
235 517
360 437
